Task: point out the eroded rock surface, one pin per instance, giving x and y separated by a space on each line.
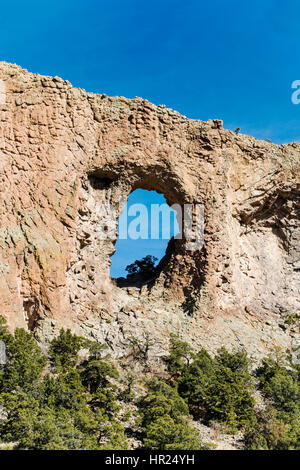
67 157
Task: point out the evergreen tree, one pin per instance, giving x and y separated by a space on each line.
279 383
74 406
218 388
26 362
266 432
63 351
179 357
164 433
164 419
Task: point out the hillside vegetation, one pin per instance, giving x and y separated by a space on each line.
76 397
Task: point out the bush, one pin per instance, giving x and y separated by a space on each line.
145 268
64 349
266 432
164 419
279 382
26 361
217 388
165 433
59 401
74 406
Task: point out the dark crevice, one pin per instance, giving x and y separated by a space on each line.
99 182
31 311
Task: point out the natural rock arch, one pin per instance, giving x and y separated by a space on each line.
63 149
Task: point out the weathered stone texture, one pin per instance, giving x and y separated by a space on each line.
66 153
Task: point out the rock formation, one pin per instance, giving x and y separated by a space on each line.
68 156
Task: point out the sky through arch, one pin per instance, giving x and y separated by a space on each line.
137 218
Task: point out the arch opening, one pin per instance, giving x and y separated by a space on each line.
145 228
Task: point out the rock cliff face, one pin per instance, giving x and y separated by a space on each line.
68 156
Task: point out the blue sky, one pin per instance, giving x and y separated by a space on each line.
127 249
234 60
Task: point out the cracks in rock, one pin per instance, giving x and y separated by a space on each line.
277 212
270 235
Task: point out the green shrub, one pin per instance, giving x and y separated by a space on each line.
74 406
64 350
279 382
218 388
266 432
164 419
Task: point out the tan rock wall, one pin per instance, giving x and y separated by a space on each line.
66 153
